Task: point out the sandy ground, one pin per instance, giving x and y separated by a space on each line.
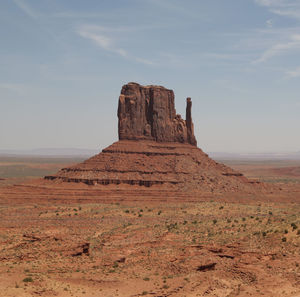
75 240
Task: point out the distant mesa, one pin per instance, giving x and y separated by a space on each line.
156 148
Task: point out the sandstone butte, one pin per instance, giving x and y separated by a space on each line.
156 149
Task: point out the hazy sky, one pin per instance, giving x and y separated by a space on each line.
63 63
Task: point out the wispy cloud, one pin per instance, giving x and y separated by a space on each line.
293 43
278 3
102 41
288 12
287 8
99 35
144 61
26 9
293 73
15 88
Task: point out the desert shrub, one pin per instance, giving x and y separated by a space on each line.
28 279
294 226
146 278
286 231
283 239
214 221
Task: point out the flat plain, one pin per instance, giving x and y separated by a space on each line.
82 241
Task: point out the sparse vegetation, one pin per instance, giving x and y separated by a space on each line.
28 279
148 244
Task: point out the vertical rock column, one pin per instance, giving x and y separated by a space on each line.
189 123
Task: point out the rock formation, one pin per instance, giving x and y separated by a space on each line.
148 112
156 148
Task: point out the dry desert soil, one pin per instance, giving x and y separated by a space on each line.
80 240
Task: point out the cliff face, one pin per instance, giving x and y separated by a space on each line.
148 112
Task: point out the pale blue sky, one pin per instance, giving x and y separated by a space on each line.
63 63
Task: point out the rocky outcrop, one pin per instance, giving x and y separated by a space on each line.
148 113
177 166
157 149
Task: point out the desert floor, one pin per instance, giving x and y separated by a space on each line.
83 241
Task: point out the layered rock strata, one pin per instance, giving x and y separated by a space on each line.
156 148
149 163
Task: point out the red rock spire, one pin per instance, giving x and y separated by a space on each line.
189 123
